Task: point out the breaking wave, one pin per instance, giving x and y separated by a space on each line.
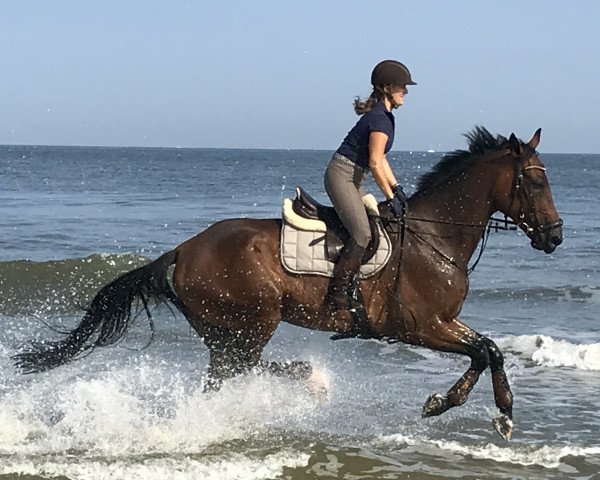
572 293
59 286
525 455
550 352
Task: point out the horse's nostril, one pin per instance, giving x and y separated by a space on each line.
557 240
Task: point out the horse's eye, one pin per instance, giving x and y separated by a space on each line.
537 184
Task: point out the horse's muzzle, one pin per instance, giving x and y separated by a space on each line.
547 237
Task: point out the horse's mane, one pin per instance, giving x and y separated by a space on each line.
453 163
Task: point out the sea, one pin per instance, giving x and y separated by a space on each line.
74 218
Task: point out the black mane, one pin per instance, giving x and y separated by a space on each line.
453 163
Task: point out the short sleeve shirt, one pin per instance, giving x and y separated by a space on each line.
355 146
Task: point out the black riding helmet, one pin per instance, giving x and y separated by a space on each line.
390 72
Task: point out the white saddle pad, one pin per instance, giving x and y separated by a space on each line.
303 247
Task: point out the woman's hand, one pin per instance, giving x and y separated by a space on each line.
399 193
397 206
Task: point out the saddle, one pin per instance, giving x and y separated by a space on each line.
336 234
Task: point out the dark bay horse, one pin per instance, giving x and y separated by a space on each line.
229 283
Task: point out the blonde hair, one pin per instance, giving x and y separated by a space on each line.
363 106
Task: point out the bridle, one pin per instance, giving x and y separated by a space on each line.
398 226
519 190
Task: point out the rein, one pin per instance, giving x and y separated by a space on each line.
500 224
496 224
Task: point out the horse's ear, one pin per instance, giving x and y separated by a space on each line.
535 140
515 146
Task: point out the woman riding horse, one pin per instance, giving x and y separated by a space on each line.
230 284
363 151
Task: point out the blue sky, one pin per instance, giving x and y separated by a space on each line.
283 74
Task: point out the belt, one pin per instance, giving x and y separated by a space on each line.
340 158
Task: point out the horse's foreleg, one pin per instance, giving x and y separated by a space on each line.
456 337
502 394
437 403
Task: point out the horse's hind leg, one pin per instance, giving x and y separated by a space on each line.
316 382
231 354
234 353
456 337
295 370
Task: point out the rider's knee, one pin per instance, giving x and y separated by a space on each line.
362 238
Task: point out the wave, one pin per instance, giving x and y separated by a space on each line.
572 293
59 286
65 286
525 455
550 352
233 467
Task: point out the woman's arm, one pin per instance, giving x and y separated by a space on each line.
380 168
391 178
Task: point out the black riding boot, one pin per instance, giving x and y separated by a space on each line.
344 271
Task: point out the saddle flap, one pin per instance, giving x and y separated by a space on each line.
303 252
310 210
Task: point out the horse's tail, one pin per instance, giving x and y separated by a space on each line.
108 317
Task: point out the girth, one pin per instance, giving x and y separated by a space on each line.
336 235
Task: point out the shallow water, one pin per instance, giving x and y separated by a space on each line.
77 217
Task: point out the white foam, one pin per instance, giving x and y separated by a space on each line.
235 467
319 384
549 352
519 454
142 410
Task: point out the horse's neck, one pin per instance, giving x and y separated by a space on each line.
458 214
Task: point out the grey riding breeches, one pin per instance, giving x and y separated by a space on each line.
343 184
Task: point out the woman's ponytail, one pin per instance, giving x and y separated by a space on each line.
377 94
362 107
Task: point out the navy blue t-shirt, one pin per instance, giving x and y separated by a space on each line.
355 146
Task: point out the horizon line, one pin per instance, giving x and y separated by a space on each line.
240 148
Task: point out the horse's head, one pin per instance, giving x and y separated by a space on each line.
523 193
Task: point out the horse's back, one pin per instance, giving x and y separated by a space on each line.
233 230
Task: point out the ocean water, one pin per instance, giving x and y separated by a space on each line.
74 218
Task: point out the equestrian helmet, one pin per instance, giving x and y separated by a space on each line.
391 72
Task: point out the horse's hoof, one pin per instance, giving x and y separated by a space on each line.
318 385
503 425
436 404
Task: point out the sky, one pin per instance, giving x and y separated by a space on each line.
283 74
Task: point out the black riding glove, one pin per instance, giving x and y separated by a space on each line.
399 193
398 202
397 206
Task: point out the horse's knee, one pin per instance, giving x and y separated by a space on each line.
496 357
480 356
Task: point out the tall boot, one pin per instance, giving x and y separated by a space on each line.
344 271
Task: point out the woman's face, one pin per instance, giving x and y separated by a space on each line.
398 93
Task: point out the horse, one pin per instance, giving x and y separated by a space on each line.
229 283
